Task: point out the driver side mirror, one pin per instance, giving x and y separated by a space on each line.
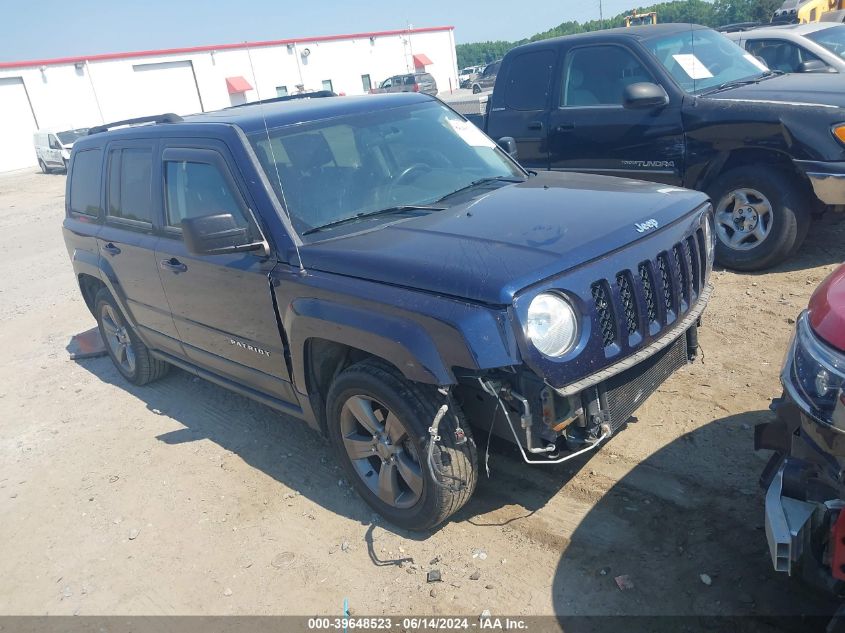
813 66
644 95
217 235
508 144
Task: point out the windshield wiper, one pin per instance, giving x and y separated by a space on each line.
371 214
482 181
743 82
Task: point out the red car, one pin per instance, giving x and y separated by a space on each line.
805 478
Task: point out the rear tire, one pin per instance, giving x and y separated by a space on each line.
760 217
131 357
385 456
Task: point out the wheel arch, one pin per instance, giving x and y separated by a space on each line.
744 156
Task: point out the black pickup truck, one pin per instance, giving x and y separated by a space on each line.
682 105
380 268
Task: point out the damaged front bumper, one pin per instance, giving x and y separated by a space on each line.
827 180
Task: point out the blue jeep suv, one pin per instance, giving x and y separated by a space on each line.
380 268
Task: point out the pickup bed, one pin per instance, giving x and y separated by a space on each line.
681 105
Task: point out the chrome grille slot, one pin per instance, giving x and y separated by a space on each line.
607 322
702 253
648 291
681 272
692 264
629 301
665 282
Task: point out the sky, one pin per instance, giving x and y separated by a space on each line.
62 28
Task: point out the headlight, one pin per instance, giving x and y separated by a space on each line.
814 373
552 326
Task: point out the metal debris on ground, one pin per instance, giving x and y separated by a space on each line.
624 582
433 576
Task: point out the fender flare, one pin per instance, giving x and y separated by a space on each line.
89 263
401 342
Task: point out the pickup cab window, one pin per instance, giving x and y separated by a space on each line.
196 189
780 54
530 74
598 75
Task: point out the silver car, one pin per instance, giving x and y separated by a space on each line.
797 48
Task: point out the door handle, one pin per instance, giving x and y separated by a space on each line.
535 125
173 265
565 127
111 249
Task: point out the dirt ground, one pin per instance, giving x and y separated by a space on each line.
183 498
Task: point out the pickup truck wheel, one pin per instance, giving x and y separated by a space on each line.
131 357
378 427
759 217
476 89
43 166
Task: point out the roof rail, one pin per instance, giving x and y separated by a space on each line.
317 94
158 118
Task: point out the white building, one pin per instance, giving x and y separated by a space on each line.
76 92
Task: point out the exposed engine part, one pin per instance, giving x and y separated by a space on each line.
495 389
460 437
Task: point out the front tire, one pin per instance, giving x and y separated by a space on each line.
378 427
43 166
476 89
131 357
760 217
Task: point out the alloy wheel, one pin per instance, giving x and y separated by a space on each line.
117 338
743 219
381 451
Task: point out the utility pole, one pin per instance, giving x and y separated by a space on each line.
601 16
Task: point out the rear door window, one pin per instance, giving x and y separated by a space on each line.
130 185
85 182
529 79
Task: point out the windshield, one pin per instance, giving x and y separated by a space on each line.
359 164
69 136
833 39
702 59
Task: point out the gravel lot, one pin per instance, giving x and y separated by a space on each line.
182 498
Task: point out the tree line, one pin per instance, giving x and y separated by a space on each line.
710 14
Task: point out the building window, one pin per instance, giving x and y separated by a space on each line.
281 91
366 84
327 85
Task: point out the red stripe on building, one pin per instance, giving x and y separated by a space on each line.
217 47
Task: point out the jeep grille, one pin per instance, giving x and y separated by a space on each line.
661 290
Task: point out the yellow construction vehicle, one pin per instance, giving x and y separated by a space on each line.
638 19
803 11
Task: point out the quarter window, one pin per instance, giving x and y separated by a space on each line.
598 75
195 190
327 85
527 86
130 184
85 182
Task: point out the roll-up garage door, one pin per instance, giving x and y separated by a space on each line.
17 125
166 87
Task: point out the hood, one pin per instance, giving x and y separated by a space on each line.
489 247
827 309
820 89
